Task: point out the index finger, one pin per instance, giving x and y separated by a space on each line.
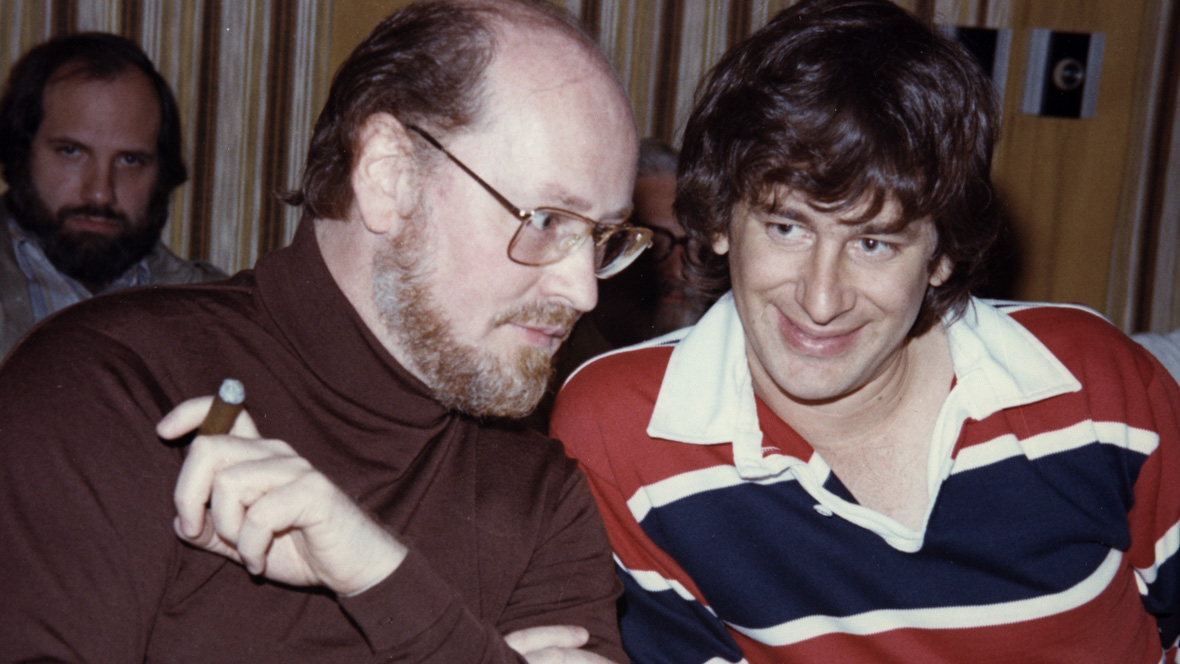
188 415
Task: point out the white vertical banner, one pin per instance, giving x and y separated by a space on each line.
22 26
309 92
98 15
702 45
638 57
241 107
171 36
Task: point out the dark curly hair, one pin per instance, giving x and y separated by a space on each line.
846 102
97 55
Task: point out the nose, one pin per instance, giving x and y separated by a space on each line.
573 279
98 186
822 290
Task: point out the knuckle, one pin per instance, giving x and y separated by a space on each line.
256 519
224 484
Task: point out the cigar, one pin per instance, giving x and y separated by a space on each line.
226 406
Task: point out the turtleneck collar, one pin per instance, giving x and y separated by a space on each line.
322 327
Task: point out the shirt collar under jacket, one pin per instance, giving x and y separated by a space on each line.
707 396
50 290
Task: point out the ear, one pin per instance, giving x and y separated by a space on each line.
385 180
721 244
941 272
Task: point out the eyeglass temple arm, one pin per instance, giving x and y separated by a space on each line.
519 213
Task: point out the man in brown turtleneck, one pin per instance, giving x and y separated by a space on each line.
370 505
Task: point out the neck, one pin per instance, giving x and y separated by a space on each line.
349 251
350 263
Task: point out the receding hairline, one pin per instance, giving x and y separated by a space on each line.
82 71
506 20
82 67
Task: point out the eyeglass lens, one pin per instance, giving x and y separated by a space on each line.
550 235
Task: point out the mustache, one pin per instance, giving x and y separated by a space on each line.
541 315
99 211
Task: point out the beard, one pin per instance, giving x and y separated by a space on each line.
462 377
94 259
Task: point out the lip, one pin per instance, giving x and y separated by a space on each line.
816 343
544 336
88 224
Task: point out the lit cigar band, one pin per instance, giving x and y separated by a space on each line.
226 406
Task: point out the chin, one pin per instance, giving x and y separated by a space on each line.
806 383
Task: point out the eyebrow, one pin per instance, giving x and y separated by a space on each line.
574 203
66 138
898 226
789 213
876 225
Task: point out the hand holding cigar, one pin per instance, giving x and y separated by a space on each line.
230 399
279 517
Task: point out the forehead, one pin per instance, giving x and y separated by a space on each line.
654 195
555 119
122 111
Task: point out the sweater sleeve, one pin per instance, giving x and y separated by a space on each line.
85 505
1134 404
415 616
565 579
1155 516
663 617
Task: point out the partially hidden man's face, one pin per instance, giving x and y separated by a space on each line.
90 195
679 304
827 299
479 329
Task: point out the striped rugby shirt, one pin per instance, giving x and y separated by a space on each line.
1051 532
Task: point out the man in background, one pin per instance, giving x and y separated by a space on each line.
652 297
90 149
851 458
468 181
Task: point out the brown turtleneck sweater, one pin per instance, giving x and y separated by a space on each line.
502 530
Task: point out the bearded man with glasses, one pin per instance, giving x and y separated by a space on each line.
467 183
655 296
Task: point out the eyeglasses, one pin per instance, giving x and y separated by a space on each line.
664 243
547 235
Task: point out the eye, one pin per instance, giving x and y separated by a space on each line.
131 159
876 248
542 221
786 234
67 149
782 230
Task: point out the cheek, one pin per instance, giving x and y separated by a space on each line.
760 267
48 180
134 190
902 293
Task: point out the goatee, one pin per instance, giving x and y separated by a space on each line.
461 377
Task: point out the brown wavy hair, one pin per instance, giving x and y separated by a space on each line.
846 101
